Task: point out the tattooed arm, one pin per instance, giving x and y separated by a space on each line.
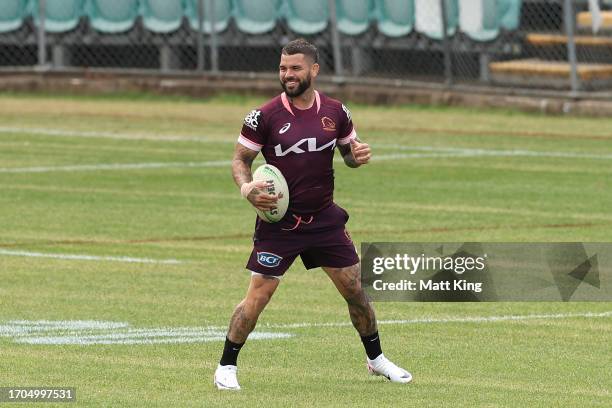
355 153
241 171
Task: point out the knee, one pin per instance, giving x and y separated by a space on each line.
258 300
354 295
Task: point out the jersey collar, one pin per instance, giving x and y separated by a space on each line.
287 105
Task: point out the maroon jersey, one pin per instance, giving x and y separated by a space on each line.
301 144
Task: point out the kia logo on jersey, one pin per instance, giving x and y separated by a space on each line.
268 259
309 143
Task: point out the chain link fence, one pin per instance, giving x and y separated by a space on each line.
529 43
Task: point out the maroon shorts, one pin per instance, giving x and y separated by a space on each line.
320 239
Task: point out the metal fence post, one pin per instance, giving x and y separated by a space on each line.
337 50
200 39
41 35
448 63
571 45
214 45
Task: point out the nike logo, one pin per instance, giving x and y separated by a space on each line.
374 339
235 349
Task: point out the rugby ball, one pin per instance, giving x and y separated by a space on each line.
277 185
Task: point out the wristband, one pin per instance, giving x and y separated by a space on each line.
246 188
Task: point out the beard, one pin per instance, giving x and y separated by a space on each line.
300 89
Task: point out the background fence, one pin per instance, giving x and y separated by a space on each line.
530 43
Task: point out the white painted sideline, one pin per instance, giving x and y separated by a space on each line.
471 152
107 135
25 327
435 151
28 254
430 320
433 154
162 165
91 332
120 338
144 166
114 166
68 324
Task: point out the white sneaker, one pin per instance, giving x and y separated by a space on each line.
225 378
382 366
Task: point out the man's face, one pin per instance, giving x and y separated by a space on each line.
296 73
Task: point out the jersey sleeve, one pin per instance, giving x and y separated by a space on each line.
252 134
347 130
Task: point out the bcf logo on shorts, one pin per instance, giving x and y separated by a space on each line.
268 259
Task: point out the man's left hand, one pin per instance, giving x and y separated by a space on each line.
361 152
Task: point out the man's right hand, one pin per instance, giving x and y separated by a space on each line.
259 198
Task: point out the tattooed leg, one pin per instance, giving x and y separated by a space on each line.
246 313
348 283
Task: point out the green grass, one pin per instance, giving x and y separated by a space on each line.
195 215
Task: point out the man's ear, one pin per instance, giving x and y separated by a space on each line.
314 70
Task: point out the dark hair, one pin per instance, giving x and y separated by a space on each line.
301 46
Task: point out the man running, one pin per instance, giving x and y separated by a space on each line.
297 132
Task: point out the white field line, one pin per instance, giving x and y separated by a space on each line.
86 332
126 259
93 332
28 327
96 329
123 330
120 338
434 320
128 334
162 165
84 342
114 166
133 166
108 135
434 153
202 139
68 324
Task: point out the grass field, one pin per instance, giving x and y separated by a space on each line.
120 213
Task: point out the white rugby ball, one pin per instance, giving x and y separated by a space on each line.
277 185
